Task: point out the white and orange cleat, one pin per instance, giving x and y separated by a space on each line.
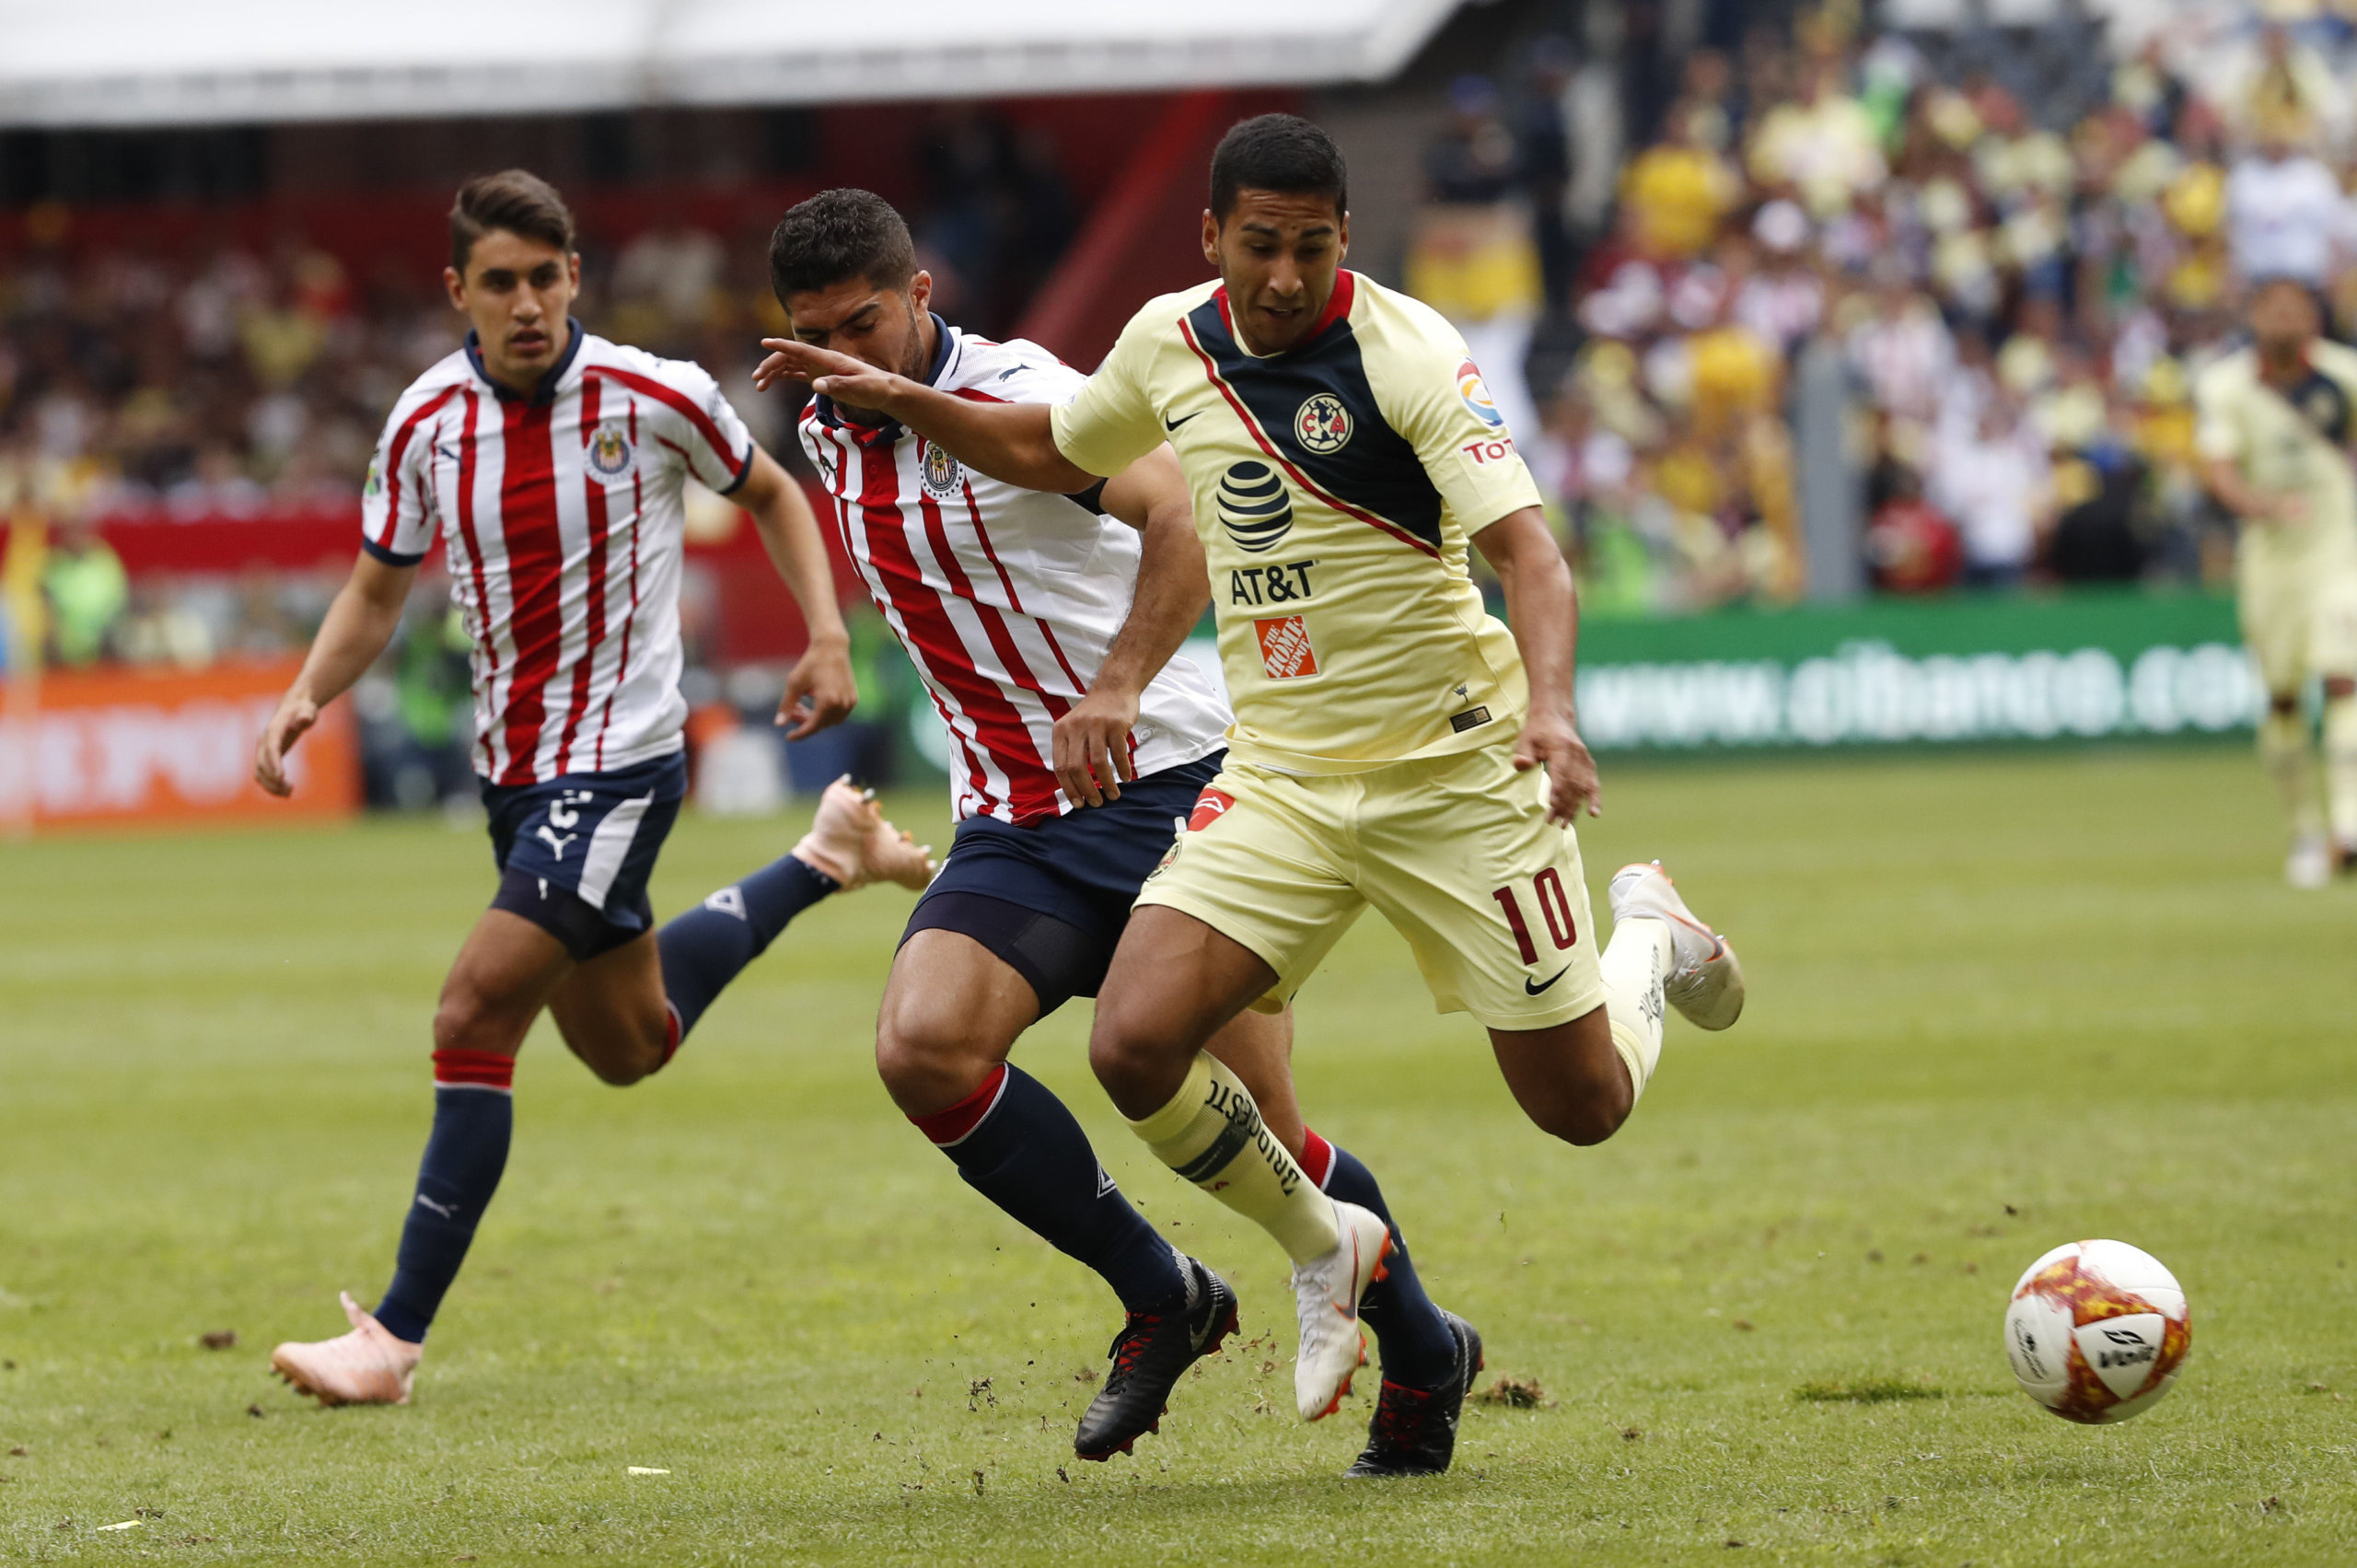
1326 1299
850 841
1705 980
367 1366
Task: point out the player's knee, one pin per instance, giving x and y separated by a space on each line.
1586 1114
468 1019
927 1056
2283 705
624 1067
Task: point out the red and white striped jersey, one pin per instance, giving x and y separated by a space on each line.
562 515
1006 600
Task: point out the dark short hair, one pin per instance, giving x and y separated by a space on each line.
837 236
1278 152
516 199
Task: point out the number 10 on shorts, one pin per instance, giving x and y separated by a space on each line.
1553 903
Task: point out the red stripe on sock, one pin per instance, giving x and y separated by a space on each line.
672 1034
951 1126
473 1069
1317 1157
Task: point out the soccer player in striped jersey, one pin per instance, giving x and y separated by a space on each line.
1046 626
552 463
1394 745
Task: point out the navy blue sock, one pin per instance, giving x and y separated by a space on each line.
703 949
1418 1350
1016 1144
473 1118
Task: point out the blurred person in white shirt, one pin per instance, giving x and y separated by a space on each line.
2286 215
1991 478
1903 349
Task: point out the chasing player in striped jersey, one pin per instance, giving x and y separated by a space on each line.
552 464
1045 626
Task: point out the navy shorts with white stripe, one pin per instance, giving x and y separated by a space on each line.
574 853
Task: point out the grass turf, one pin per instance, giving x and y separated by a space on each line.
1997 1004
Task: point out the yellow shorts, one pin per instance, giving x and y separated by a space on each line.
2297 621
1456 852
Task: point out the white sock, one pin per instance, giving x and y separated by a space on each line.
1634 964
2340 766
2284 752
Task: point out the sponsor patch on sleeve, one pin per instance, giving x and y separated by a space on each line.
1286 651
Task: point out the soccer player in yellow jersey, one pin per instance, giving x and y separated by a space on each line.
1393 744
2273 432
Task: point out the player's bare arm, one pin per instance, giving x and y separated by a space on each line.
1010 442
366 611
2246 500
1091 750
819 690
1543 610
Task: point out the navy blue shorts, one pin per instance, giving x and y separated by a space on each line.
1051 900
574 853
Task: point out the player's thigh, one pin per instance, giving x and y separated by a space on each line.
951 1012
2274 604
1265 863
1458 856
612 1011
1174 983
1257 1048
506 972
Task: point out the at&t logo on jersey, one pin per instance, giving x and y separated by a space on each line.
610 452
1285 652
1323 424
1476 394
942 473
1253 506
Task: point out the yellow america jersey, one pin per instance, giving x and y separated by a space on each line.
2295 438
1336 487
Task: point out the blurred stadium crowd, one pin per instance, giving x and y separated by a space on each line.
1998 269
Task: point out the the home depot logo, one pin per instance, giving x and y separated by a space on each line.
1285 652
1210 807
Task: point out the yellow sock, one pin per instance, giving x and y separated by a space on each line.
2283 752
1211 1134
2340 766
1633 964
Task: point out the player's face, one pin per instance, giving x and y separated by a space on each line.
519 293
2282 317
1277 253
882 325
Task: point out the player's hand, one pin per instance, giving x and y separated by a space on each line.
1092 746
838 376
820 691
2288 506
295 714
1552 743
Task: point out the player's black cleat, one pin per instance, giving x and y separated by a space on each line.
1414 1430
1150 1353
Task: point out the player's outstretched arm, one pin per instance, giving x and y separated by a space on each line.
2246 500
1092 748
819 690
359 623
1010 442
1543 610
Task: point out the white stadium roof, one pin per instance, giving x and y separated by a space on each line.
173 62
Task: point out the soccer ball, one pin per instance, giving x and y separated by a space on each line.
2097 1330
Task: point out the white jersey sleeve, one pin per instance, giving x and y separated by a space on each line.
397 516
695 424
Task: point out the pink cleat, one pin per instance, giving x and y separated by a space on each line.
850 841
367 1366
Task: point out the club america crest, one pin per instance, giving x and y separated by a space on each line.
610 452
1323 424
942 472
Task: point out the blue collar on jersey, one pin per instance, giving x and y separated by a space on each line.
890 429
546 391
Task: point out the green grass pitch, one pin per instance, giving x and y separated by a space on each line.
1997 1004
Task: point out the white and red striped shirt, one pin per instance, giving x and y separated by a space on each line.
1006 600
561 514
